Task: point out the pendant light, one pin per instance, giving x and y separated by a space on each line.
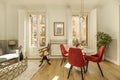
82 11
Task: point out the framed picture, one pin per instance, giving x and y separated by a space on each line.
58 28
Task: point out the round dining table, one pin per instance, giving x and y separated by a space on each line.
88 51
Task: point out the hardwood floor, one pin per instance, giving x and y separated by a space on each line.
57 72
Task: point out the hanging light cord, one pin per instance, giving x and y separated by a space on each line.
82 7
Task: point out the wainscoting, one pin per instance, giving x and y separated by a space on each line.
55 47
112 53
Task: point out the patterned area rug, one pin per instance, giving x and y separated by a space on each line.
33 66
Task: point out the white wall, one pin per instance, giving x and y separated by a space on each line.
56 14
22 30
8 22
109 14
2 22
11 22
92 29
100 18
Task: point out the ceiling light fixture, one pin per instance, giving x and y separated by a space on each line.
82 10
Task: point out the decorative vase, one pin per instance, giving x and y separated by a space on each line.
21 56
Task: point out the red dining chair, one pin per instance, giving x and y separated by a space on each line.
76 58
96 58
64 53
77 44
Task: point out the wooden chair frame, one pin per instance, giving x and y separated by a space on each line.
42 52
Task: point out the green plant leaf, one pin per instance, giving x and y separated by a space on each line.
103 39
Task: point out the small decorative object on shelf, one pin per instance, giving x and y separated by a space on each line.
20 53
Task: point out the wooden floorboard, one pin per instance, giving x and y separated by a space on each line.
57 72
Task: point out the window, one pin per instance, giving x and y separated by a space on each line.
79 30
37 25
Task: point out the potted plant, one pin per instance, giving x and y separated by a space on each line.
103 39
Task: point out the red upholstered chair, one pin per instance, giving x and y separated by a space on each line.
76 58
96 58
77 44
64 53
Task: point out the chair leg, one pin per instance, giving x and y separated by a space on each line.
69 71
82 74
41 61
47 60
84 69
87 66
62 61
44 58
100 69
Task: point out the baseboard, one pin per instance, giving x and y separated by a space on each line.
33 58
55 56
113 61
51 56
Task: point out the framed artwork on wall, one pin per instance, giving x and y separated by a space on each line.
58 28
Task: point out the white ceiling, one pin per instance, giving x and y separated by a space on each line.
88 4
50 2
